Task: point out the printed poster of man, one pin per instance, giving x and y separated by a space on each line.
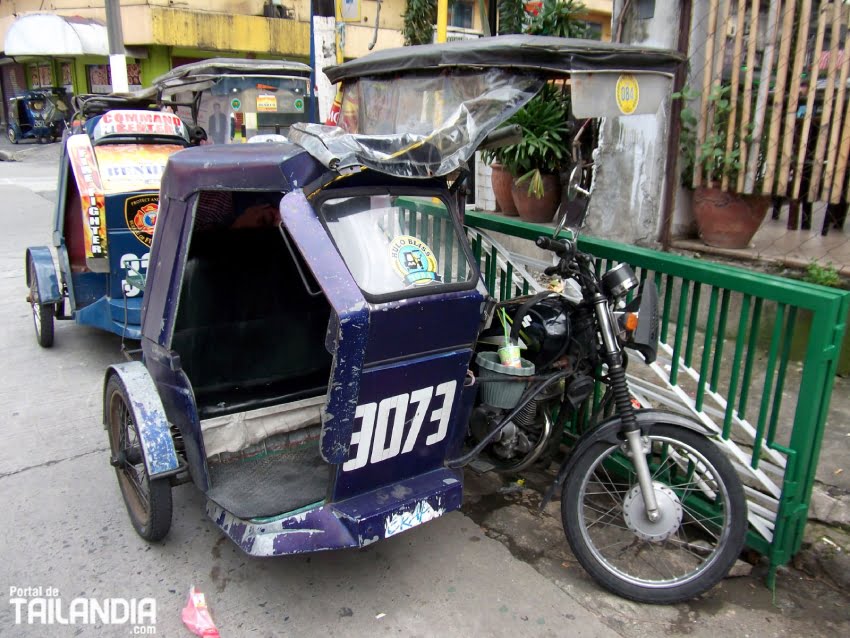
218 125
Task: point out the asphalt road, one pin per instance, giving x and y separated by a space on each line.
498 570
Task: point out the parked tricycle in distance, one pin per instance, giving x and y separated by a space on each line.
321 357
110 169
40 114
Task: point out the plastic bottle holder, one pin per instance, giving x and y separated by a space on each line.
501 394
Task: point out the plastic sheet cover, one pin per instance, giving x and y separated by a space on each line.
420 125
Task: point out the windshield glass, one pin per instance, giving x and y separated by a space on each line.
238 107
393 243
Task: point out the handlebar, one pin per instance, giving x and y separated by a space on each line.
561 247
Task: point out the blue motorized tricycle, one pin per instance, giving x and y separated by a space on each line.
109 176
39 115
321 358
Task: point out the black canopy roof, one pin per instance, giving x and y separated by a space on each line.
538 53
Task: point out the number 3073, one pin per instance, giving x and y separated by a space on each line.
382 433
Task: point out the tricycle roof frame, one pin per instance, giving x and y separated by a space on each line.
220 67
546 55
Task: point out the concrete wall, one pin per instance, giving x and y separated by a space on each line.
631 158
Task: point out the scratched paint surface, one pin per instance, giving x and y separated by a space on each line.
422 513
356 522
145 404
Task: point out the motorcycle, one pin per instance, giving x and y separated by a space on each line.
321 357
626 483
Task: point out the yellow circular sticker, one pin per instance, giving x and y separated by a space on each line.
628 94
413 260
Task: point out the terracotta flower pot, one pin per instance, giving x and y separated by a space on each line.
728 220
536 210
501 180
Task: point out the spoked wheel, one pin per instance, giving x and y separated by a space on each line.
148 501
695 541
42 314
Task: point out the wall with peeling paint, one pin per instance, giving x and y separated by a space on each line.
631 158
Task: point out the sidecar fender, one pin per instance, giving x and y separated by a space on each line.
146 408
609 432
45 273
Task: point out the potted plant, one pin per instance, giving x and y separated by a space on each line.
725 218
525 176
501 180
536 161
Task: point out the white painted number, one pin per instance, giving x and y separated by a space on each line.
390 417
130 261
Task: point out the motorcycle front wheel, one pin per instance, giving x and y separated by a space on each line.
690 547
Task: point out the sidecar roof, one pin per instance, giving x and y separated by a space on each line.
546 55
237 167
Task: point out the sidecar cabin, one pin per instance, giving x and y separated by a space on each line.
244 338
251 341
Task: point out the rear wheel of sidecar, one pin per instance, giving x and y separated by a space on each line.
42 314
148 501
691 546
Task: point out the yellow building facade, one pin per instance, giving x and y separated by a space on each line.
161 34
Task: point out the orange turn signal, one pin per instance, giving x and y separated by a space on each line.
631 321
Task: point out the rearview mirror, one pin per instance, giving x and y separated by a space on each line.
569 216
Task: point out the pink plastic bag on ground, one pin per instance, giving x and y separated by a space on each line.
196 615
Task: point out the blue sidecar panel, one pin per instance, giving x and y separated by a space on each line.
409 416
130 218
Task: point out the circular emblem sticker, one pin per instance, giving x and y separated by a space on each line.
299 104
413 260
235 104
140 214
628 94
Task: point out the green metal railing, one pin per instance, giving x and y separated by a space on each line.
727 335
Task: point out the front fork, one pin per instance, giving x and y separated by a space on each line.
623 402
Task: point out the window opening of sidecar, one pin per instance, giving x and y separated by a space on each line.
249 336
398 244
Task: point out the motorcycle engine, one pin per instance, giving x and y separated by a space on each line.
514 439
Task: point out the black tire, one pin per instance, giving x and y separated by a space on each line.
650 576
42 314
148 501
12 135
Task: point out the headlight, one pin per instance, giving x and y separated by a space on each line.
619 280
